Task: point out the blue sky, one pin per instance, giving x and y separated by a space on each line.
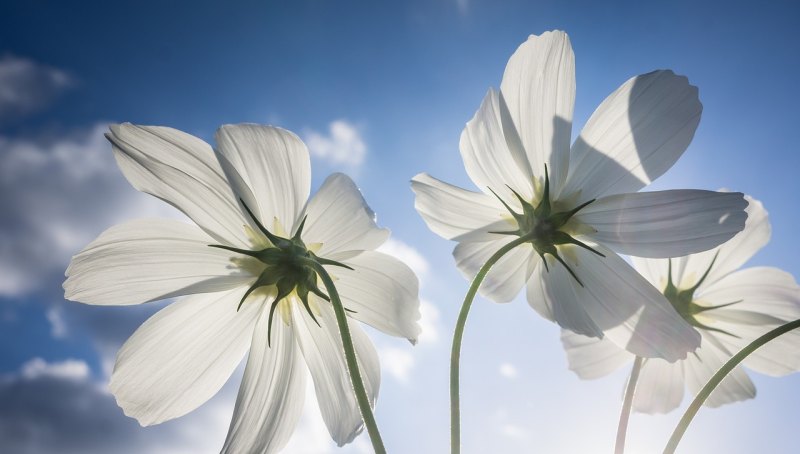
381 91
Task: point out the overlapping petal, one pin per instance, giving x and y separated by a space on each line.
701 367
182 355
490 157
628 310
731 255
665 223
322 350
507 277
634 136
452 212
269 168
538 88
181 170
340 219
590 357
660 386
272 392
149 260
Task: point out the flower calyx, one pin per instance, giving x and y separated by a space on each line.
543 227
289 267
683 300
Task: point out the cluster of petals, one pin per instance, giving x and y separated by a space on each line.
516 149
734 307
182 355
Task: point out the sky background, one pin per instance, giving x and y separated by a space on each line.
381 91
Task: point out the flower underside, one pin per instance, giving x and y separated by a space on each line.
683 300
543 227
288 267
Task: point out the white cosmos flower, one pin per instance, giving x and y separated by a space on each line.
730 307
183 354
517 147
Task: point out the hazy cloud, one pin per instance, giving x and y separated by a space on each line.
341 145
57 194
27 86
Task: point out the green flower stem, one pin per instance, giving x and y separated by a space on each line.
455 355
352 362
701 397
625 415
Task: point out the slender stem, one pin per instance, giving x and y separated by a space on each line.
455 355
701 397
625 415
352 362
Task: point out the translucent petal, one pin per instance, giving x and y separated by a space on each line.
665 223
182 355
149 260
340 219
269 169
183 171
634 136
539 89
272 392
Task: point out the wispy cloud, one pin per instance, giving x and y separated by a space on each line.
27 86
341 145
57 195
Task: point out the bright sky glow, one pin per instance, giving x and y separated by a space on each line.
380 91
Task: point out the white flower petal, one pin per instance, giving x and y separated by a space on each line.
634 136
539 89
660 386
324 354
451 211
701 367
491 161
731 255
568 305
630 311
382 291
182 355
536 292
149 260
507 277
590 357
665 223
181 170
654 270
340 219
274 166
272 392
767 298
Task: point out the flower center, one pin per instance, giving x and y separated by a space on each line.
684 302
288 267
543 227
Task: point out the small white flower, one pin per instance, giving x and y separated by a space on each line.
730 307
257 181
579 206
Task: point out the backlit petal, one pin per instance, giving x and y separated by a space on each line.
665 223
272 392
182 355
149 260
634 136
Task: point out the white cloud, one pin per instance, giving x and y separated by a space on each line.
342 145
508 370
58 327
397 362
57 195
406 254
27 86
70 369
